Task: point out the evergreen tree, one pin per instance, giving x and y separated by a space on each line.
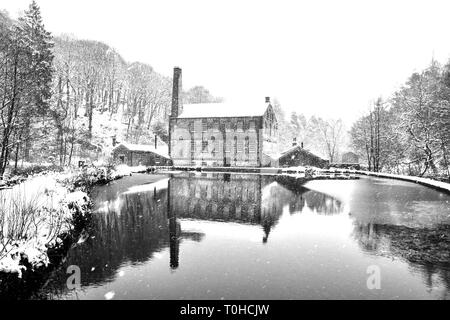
40 71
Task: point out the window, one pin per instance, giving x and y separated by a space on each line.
204 124
248 125
213 146
240 125
247 146
192 146
122 158
204 146
252 125
235 146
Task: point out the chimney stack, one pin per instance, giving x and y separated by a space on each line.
177 91
294 142
267 99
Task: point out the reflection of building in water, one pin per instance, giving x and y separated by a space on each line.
251 199
217 197
223 197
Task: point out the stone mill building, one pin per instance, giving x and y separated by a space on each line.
220 134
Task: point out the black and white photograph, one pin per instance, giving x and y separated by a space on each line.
204 151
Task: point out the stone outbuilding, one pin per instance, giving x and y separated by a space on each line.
298 156
140 154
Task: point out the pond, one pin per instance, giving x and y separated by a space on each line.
235 236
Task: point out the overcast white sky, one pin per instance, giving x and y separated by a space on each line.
330 58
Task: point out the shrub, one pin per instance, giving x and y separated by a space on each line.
86 178
34 169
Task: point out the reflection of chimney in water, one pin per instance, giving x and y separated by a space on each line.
174 242
267 224
174 232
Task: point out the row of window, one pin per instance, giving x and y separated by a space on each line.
205 145
213 139
207 124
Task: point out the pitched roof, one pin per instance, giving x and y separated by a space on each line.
223 110
287 151
161 150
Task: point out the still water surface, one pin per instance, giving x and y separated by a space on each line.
222 236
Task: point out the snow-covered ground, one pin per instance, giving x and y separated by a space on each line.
124 170
45 205
424 181
42 204
317 172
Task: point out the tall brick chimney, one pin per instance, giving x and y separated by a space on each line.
177 91
267 99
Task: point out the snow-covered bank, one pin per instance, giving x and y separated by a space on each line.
33 216
313 172
443 186
124 170
38 213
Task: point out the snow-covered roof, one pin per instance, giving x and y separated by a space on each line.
287 151
222 110
161 150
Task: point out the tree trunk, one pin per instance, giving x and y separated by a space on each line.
16 160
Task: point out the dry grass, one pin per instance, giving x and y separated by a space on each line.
26 217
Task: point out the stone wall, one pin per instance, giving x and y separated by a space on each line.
222 142
301 157
123 155
216 142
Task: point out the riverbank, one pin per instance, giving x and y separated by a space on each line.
41 218
435 184
302 174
